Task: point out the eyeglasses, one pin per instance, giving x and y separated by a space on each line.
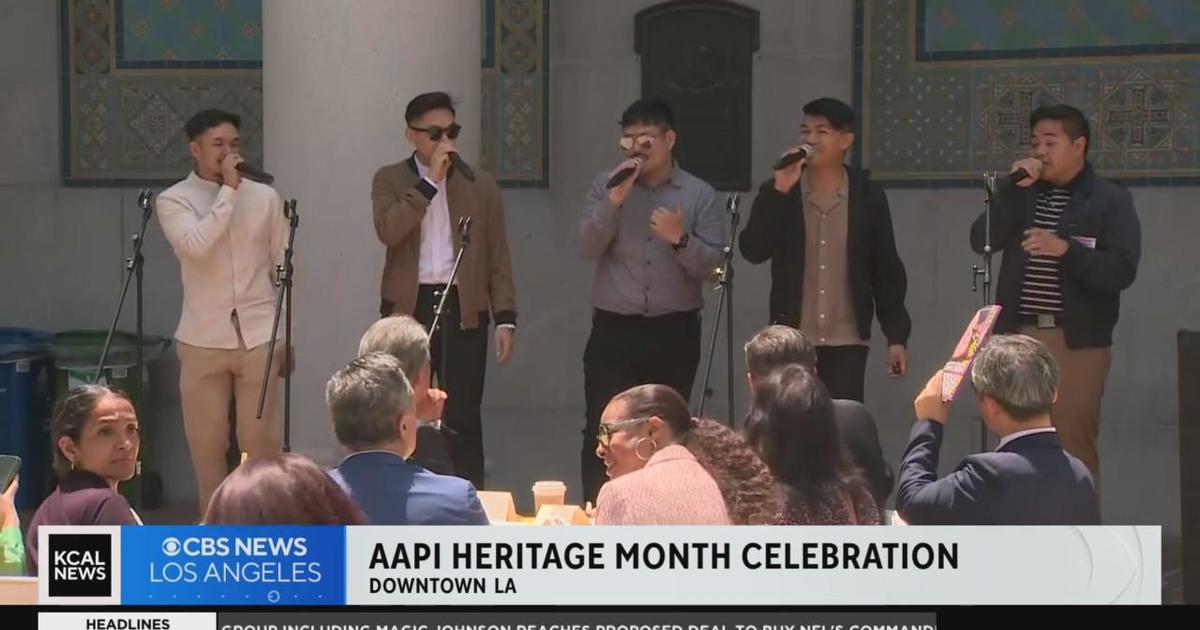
644 142
435 133
606 431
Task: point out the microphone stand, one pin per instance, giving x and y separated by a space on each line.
134 266
989 188
464 237
284 280
724 276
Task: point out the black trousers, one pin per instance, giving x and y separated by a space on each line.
842 369
628 350
459 371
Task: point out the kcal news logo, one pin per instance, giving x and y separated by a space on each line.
81 565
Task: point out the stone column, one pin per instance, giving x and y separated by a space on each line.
336 78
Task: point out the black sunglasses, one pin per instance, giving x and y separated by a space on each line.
435 133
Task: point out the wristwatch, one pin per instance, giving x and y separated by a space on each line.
683 241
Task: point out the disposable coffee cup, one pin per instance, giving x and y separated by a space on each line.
548 493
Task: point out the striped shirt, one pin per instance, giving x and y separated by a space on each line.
1041 291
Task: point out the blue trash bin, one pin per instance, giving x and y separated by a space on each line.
26 403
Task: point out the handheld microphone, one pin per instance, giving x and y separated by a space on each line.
791 157
254 174
461 166
1017 176
732 203
144 199
620 176
803 153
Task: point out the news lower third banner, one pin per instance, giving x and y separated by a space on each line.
571 566
493 620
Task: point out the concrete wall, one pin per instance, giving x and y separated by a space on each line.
62 250
336 79
61 260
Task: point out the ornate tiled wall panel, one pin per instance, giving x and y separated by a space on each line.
945 87
134 70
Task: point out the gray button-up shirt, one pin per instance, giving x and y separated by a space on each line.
638 273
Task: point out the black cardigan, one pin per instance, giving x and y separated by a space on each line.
878 283
1099 213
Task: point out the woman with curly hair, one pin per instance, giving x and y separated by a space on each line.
752 496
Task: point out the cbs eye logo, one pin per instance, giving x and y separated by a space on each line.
171 547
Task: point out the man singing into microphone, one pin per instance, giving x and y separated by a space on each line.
1071 243
418 206
655 232
229 233
827 231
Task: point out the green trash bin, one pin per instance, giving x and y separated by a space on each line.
76 357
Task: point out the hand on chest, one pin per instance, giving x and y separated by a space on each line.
655 215
1081 220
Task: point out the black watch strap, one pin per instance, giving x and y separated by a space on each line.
682 242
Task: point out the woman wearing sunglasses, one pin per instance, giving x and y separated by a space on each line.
654 479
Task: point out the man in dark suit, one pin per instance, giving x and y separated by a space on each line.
405 338
776 346
1071 242
827 231
374 418
1028 480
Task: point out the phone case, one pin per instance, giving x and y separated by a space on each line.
973 338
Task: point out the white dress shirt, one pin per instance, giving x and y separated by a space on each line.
437 246
1020 434
228 242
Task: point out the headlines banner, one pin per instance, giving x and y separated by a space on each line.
568 566
494 620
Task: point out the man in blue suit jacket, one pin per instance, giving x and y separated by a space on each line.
371 402
1028 480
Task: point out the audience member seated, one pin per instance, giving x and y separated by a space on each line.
406 339
1028 480
12 550
776 346
288 489
371 403
653 478
751 495
96 442
791 424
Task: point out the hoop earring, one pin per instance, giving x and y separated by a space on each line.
637 448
